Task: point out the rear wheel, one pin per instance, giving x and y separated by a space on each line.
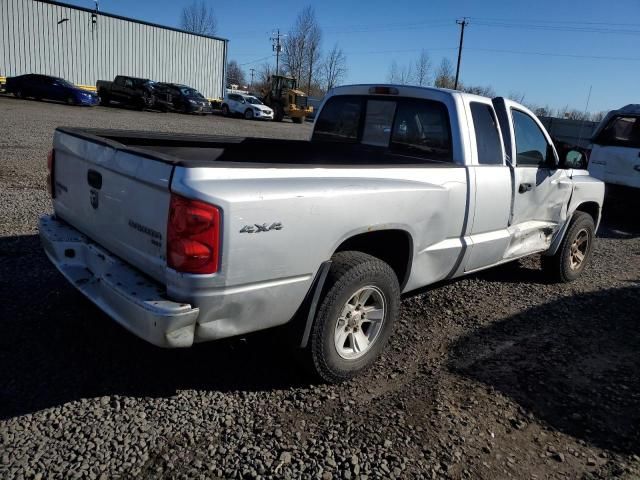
355 318
225 110
574 252
105 101
297 119
18 94
248 114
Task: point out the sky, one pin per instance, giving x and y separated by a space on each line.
551 51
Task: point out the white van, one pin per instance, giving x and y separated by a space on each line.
615 154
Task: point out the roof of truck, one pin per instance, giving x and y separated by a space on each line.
341 88
631 109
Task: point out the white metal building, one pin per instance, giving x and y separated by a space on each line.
83 46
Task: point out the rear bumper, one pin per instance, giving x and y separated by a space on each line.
133 300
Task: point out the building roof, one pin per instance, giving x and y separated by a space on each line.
127 19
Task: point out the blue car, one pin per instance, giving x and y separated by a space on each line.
44 87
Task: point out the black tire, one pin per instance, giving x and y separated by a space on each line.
278 113
225 110
105 101
562 266
18 94
71 101
350 272
297 119
248 114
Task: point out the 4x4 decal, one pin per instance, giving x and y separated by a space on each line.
256 228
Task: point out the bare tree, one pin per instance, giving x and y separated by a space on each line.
334 68
262 83
402 75
301 51
445 78
313 55
235 74
423 69
485 91
516 96
199 18
392 76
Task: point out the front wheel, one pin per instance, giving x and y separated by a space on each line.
297 119
574 252
71 100
355 318
278 113
248 114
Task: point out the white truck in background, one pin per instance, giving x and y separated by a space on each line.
615 151
186 238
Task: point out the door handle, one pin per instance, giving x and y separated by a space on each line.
94 179
525 187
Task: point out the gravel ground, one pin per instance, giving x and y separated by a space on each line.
497 375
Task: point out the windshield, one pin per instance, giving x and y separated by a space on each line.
253 100
190 92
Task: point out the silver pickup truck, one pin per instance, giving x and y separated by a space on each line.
185 239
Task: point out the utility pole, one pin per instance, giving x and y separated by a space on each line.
277 47
252 72
463 23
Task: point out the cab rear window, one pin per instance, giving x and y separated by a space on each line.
622 131
404 126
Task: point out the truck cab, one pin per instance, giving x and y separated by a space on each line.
615 153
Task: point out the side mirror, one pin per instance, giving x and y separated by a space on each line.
574 159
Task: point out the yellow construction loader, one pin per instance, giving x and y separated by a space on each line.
284 98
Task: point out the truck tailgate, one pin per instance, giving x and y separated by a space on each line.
116 197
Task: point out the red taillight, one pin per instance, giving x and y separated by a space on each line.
193 236
51 163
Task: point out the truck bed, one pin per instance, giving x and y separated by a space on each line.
188 150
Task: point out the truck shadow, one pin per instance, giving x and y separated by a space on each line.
620 216
574 366
57 347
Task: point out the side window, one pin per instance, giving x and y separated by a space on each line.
128 83
532 149
422 128
622 132
119 81
339 119
487 136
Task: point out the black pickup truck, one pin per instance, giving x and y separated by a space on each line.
134 92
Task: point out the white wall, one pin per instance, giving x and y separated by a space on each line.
32 41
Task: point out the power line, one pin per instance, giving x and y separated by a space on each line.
477 49
256 61
556 28
549 54
574 22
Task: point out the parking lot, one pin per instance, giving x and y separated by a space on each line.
497 375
